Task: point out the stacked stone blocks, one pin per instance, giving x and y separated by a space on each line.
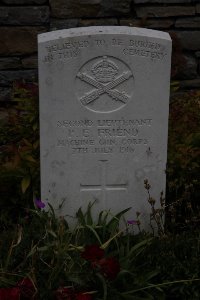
22 20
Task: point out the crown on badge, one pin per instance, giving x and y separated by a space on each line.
104 70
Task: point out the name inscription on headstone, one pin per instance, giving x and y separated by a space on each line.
111 136
104 95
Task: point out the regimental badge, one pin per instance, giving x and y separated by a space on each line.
108 78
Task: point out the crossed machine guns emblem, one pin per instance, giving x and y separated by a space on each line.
105 80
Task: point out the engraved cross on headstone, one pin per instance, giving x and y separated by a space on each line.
103 186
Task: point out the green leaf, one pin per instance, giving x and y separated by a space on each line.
52 233
80 217
139 247
124 272
52 211
33 250
156 286
7 282
89 214
106 244
25 183
132 297
36 144
30 158
35 126
27 143
103 217
95 233
105 290
150 275
115 220
42 249
100 218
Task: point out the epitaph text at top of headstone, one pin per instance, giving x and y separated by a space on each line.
104 97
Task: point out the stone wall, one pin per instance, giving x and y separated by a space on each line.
22 20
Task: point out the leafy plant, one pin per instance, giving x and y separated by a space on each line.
95 260
183 160
19 140
41 257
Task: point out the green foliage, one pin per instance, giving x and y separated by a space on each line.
43 248
183 159
19 140
46 250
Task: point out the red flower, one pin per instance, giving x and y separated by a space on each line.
27 288
83 296
10 293
92 253
64 293
109 267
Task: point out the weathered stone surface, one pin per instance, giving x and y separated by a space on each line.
197 54
115 8
26 15
189 39
7 77
103 128
19 40
148 23
160 24
162 1
26 2
188 22
131 22
188 70
75 8
5 94
164 11
198 8
98 22
89 8
30 62
9 63
190 84
57 24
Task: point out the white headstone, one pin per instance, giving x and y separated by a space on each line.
104 97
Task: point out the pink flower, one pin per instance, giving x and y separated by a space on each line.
132 222
39 203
